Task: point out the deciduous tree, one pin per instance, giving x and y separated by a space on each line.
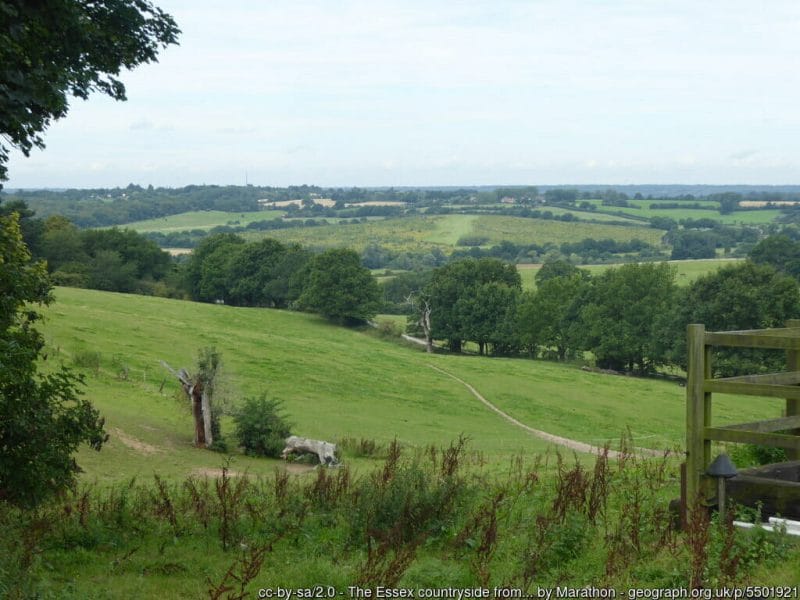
339 288
53 49
43 419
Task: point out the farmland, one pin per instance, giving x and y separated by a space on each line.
201 219
686 271
642 208
443 231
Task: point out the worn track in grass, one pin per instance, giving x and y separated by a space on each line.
543 435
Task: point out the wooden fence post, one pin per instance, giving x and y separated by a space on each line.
793 406
698 412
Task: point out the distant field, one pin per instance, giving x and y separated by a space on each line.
201 219
443 231
752 217
540 231
686 270
335 383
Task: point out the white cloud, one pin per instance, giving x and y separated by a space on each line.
550 91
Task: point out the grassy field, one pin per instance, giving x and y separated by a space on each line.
201 219
335 383
443 231
641 208
686 271
178 540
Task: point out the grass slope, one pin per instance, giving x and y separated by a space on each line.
335 383
201 219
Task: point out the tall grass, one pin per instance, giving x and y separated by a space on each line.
425 517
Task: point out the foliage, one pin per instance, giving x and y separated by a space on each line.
557 268
225 268
457 292
780 252
748 455
622 315
741 296
43 419
339 288
54 49
550 317
261 428
692 244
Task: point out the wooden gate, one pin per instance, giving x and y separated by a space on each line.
700 386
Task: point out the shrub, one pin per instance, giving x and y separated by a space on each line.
261 428
87 359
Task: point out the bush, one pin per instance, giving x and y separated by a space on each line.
87 359
261 428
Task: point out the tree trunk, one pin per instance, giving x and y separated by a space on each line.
196 395
205 407
425 323
200 404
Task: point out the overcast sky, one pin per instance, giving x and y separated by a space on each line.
447 93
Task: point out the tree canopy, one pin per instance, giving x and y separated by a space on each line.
53 49
44 419
470 300
624 310
742 296
339 288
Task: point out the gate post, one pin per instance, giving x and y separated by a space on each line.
793 406
698 413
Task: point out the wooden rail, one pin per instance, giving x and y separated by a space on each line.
700 385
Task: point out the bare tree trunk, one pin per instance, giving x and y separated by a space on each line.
200 405
205 408
425 322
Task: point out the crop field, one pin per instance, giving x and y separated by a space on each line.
443 231
750 217
595 216
201 219
335 383
539 231
686 271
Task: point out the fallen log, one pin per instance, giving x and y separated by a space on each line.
325 451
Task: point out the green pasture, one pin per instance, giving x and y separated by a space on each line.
541 231
642 209
595 407
595 216
202 219
686 271
421 233
335 383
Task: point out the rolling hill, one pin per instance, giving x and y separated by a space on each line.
335 383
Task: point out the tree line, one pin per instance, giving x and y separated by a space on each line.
631 318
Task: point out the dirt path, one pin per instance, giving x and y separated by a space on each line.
134 443
549 437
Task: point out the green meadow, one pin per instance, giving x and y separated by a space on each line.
335 383
686 271
443 231
494 515
201 219
642 208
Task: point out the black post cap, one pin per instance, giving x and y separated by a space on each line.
722 467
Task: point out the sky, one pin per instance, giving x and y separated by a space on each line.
415 93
